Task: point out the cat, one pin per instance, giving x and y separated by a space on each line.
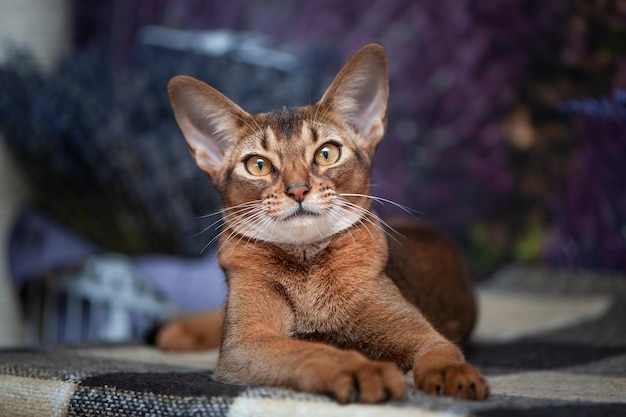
323 296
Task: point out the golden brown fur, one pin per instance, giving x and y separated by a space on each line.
320 299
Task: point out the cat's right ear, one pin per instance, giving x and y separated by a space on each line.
359 94
208 119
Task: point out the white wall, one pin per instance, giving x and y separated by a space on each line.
43 26
13 193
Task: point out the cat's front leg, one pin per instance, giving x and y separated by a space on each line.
257 349
442 370
438 365
348 376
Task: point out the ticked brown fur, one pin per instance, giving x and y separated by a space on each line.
321 297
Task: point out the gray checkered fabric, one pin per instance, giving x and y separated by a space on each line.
571 362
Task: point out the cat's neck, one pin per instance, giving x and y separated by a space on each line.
305 252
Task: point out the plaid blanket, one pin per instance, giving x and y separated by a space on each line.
552 344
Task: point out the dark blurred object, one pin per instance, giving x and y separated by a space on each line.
588 214
103 153
476 140
103 300
73 292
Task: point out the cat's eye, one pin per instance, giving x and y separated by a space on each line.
327 154
258 166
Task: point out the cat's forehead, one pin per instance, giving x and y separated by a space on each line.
287 122
290 128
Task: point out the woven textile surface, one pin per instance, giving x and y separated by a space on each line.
552 343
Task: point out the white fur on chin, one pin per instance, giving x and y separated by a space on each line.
302 229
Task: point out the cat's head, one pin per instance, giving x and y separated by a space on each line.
292 176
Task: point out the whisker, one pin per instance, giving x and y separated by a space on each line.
259 131
215 238
218 223
317 109
244 222
249 225
230 236
360 219
219 235
382 201
324 112
258 127
243 225
366 214
239 217
225 209
319 232
385 186
261 230
205 229
206 216
236 210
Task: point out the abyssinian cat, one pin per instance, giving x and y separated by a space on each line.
320 299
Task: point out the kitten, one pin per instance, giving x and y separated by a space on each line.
319 299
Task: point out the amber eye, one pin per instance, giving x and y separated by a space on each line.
327 154
258 166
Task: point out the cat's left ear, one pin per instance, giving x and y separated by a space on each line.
209 121
359 94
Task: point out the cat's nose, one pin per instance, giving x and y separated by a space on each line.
298 191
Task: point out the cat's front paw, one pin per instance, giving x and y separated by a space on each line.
372 382
357 379
455 380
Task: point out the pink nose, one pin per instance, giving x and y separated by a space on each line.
298 191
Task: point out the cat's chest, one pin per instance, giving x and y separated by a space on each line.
321 303
324 286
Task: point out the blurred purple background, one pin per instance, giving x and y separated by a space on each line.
499 127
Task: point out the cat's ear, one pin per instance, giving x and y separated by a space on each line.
208 119
359 94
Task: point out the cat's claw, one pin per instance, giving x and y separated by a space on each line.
458 380
371 382
353 378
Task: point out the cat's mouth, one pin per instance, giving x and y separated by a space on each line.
300 212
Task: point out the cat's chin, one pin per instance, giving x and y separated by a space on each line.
303 229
